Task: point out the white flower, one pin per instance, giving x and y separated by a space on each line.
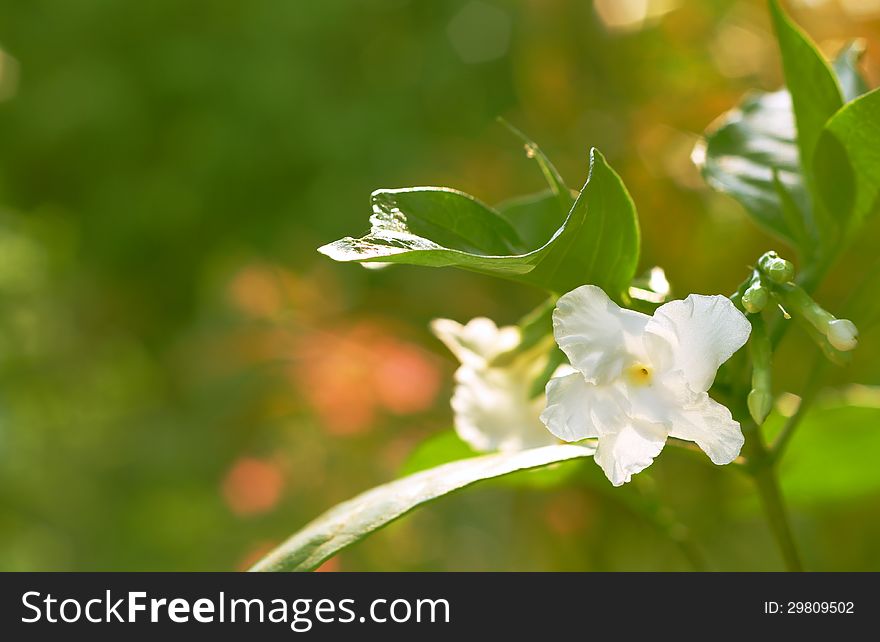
642 379
491 405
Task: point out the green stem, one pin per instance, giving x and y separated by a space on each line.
763 471
808 279
768 487
761 461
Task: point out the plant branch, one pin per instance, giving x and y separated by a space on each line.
763 471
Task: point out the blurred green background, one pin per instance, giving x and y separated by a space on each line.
184 381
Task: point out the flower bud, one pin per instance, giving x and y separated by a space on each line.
760 399
755 298
798 303
842 334
760 403
776 268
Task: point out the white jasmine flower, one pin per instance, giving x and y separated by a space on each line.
491 405
641 379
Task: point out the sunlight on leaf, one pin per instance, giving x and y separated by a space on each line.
597 243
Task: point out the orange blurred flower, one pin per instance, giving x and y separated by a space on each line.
350 375
252 486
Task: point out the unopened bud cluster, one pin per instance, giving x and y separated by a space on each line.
777 269
756 296
775 275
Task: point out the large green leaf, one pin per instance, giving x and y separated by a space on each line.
598 242
810 80
848 161
353 520
536 217
751 153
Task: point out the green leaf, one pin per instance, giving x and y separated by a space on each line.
597 243
442 448
604 249
832 168
792 213
810 81
353 520
536 217
848 161
863 306
754 152
751 153
846 68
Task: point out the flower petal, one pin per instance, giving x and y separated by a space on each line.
493 411
599 337
658 400
696 336
477 342
577 409
711 426
630 450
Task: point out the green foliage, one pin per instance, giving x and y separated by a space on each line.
848 161
781 155
536 217
809 79
598 242
161 161
446 446
751 154
353 520
442 448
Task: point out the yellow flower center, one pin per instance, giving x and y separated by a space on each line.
639 374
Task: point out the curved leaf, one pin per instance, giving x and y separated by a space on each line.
810 81
754 151
598 242
536 217
848 161
353 520
750 153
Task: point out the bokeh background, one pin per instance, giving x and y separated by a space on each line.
184 381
